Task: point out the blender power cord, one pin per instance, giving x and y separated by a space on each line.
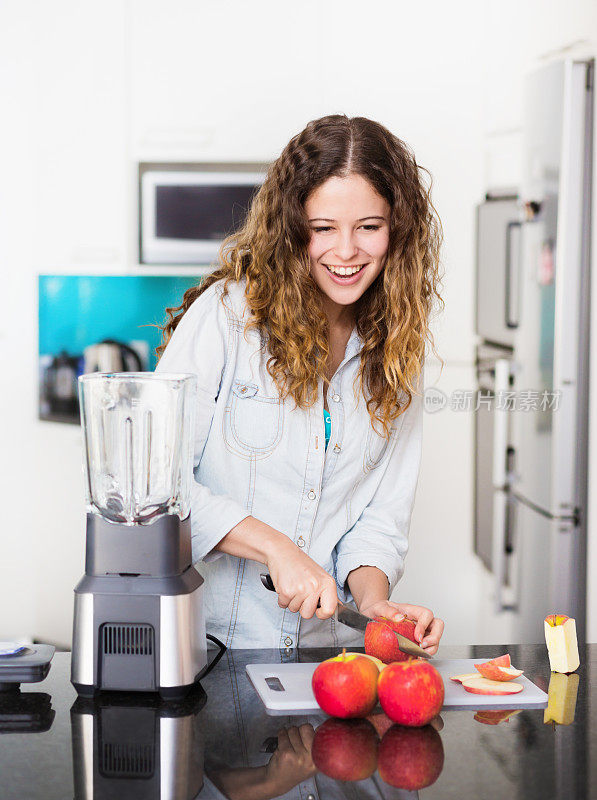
222 649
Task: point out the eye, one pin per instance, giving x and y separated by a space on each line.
371 227
323 229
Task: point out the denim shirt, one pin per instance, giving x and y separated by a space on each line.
256 454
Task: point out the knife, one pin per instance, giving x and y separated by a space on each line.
357 621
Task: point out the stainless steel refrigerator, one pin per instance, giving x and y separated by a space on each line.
532 361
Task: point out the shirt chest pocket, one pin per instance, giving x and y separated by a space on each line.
377 446
253 422
375 449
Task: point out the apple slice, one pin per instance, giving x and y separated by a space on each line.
495 717
485 686
464 677
378 662
496 673
501 661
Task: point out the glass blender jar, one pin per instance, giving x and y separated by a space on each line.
138 439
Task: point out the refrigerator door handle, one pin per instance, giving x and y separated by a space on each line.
504 558
499 549
511 319
510 583
502 455
500 424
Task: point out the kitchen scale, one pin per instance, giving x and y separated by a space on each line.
26 712
138 620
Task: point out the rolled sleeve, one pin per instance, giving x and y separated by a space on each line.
199 346
379 538
212 517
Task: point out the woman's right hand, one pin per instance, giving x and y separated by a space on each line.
299 581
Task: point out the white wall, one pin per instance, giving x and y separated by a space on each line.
107 85
17 326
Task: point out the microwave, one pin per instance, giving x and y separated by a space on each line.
186 211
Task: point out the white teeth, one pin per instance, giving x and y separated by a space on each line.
344 270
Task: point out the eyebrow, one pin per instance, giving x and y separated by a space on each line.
325 219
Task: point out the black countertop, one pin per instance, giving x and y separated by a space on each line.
54 746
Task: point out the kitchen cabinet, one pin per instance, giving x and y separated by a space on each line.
79 214
215 82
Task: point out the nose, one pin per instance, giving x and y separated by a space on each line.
346 247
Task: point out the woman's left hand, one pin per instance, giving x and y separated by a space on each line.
428 630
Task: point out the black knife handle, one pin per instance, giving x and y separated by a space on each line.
267 581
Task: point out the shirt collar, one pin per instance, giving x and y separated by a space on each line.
354 344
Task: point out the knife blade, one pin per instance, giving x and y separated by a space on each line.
357 621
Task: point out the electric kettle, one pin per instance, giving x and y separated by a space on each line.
110 355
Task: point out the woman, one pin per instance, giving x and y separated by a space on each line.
308 344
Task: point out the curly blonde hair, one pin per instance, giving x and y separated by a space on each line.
270 251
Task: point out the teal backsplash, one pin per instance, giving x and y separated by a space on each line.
78 310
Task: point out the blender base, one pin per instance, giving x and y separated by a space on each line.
171 693
139 634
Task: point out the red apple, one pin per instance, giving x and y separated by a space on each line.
411 692
381 642
410 758
485 686
496 673
346 685
345 749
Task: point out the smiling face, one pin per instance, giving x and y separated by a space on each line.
350 233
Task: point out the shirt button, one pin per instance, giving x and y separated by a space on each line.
311 495
300 541
336 398
337 447
288 641
310 797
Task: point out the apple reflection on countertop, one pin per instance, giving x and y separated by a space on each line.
325 759
251 754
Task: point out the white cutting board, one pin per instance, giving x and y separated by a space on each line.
296 695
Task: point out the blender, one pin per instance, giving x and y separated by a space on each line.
138 615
